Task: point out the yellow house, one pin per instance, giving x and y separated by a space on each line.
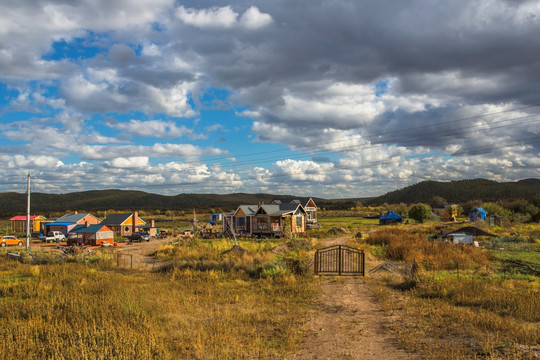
18 223
124 224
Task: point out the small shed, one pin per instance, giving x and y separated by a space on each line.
390 218
214 218
18 223
477 214
464 235
93 235
460 238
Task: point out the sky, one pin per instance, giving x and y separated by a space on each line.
326 98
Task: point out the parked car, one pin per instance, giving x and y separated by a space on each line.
53 236
10 240
139 236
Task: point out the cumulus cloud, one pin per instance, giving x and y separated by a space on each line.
223 17
130 162
151 128
362 96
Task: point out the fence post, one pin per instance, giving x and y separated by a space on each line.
363 263
117 260
339 259
316 269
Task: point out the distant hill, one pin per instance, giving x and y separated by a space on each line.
121 200
461 191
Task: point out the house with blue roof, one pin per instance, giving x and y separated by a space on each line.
68 222
93 235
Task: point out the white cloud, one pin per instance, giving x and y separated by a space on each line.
129 162
223 17
254 19
151 128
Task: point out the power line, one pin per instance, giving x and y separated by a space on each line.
395 160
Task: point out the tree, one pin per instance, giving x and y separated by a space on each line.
437 200
420 212
496 209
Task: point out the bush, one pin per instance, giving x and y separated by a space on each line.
420 212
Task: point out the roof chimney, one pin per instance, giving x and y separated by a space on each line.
135 217
76 212
153 223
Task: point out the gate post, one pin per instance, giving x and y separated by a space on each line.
339 260
316 262
363 263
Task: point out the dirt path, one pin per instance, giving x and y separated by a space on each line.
348 323
140 254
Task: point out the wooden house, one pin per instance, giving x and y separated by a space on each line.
266 220
93 235
309 207
447 212
124 224
18 223
68 222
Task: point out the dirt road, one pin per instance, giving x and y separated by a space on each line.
140 254
348 323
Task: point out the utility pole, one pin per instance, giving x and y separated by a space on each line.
28 215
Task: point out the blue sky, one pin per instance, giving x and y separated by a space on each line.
341 99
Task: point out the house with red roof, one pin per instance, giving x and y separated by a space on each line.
18 223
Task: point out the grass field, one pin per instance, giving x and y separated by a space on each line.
461 303
70 310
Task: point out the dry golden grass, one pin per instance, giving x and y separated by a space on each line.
476 311
411 244
71 310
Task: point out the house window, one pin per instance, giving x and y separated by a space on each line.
299 221
126 229
275 225
241 223
262 224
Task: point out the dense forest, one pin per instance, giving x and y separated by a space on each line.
455 192
461 191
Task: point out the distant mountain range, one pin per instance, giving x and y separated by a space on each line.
120 200
461 191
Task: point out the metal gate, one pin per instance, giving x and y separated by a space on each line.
340 260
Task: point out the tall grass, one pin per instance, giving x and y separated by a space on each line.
73 310
401 244
255 258
446 312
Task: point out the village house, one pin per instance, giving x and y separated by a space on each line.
309 207
448 212
68 222
266 220
18 223
93 235
124 224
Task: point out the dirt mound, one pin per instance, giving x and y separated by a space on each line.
289 246
235 250
338 230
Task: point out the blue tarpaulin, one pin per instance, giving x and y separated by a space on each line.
477 214
390 217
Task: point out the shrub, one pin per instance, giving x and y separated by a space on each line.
420 212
